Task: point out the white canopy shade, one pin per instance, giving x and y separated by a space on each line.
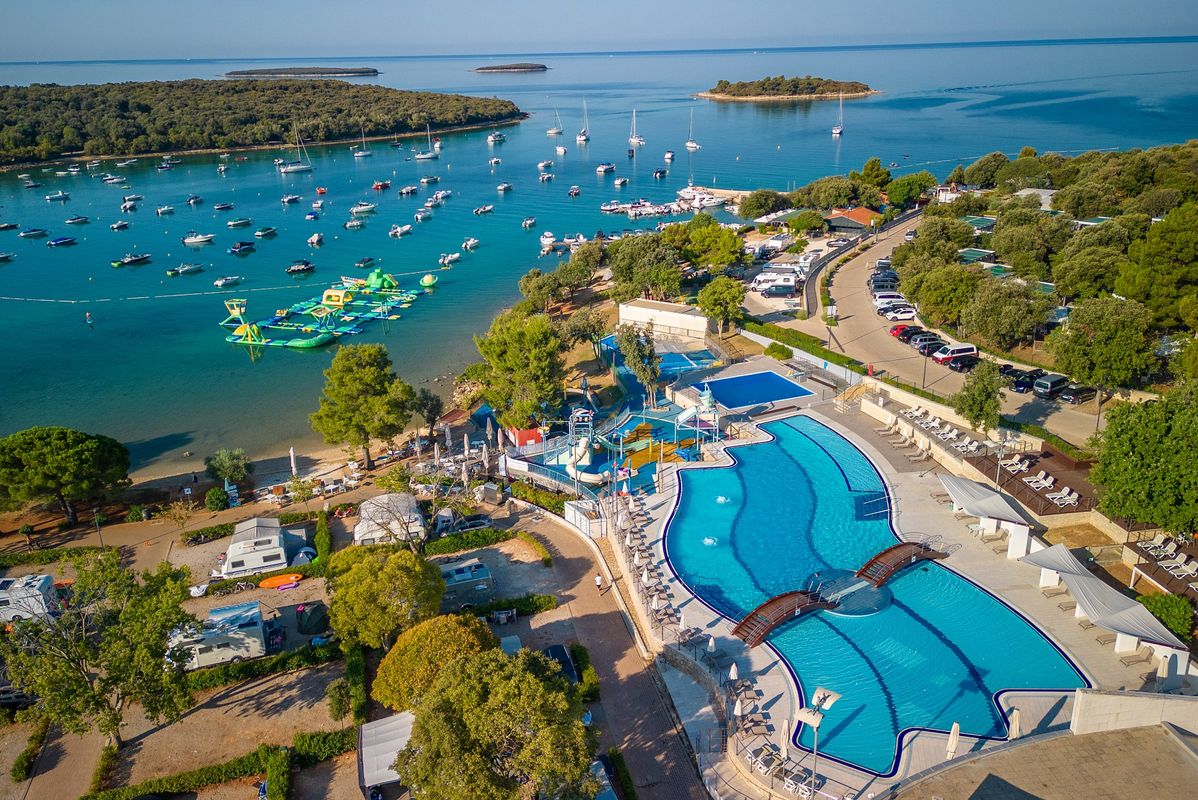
1103 605
977 500
656 605
378 744
738 710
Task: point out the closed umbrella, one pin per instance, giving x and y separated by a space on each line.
784 739
637 560
465 475
733 672
294 470
499 437
645 579
656 602
1014 731
490 430
738 710
681 621
437 454
954 740
711 644
628 539
465 443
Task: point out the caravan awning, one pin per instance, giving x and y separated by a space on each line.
379 743
981 501
1102 604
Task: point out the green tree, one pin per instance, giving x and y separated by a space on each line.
957 176
1004 313
761 202
1163 267
1088 273
873 173
301 489
721 300
715 246
984 171
60 464
362 399
644 265
945 292
422 652
641 358
229 465
506 724
903 192
540 288
807 221
526 370
577 273
584 325
428 407
381 594
1146 470
216 499
980 399
109 647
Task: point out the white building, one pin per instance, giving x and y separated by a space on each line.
669 320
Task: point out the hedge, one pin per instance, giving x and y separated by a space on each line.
550 501
624 785
323 541
225 674
22 768
105 769
805 342
251 763
308 749
526 606
209 534
468 540
48 556
541 550
292 517
355 674
1071 450
778 351
588 678
277 761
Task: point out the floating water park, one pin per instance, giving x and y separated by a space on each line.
341 310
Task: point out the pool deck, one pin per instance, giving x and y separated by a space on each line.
915 515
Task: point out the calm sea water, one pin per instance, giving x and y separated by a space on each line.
155 371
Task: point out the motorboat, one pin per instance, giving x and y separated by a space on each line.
408 190
126 162
605 167
59 195
432 202
545 177
131 259
74 169
288 199
240 222
560 149
93 164
422 214
470 243
193 237
8 226
611 206
222 169
584 135
113 179
362 207
631 153
317 205
32 185
33 233
364 263
449 258
429 179
171 160
495 162
504 187
128 205
316 239
242 248
443 194
557 129
547 238
399 230
164 167
119 225
544 165
634 138
354 224
23 176
133 198
162 210
300 266
62 241
487 209
78 219
226 280
222 206
184 269
379 186
577 238
621 181
266 232
194 200
495 137
312 216
659 173
574 191
321 190
6 257
669 156
528 222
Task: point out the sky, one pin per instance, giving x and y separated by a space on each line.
57 30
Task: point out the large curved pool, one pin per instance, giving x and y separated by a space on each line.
939 652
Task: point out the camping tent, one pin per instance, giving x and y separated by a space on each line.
312 618
389 517
378 744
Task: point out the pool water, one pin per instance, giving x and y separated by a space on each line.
938 653
741 391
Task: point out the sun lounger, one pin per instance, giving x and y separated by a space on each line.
1047 485
1141 656
1170 563
1033 480
1010 462
962 445
1084 623
949 434
974 449
1063 493
1054 591
922 456
1019 466
889 429
1186 572
931 423
1105 638
1068 500
1067 605
913 412
994 536
1157 542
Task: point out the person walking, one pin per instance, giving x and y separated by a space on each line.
599 584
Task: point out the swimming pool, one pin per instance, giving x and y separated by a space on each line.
939 653
741 391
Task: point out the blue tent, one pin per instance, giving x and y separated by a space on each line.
482 414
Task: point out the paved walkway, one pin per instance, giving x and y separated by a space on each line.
636 718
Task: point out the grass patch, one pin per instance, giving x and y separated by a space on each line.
470 540
48 556
805 342
22 767
538 548
309 749
624 785
588 678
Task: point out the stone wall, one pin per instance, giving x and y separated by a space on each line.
1095 710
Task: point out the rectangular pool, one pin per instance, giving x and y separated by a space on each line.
741 391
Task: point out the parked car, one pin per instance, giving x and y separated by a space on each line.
882 263
896 330
883 274
838 242
886 308
951 351
903 312
910 235
963 363
882 298
1007 370
778 290
929 346
1075 395
472 522
1049 386
920 338
555 652
1022 380
909 332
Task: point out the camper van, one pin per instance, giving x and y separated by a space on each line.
767 279
231 633
259 545
27 597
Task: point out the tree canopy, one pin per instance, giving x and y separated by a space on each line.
872 173
422 652
229 464
61 464
383 593
641 358
721 300
1163 267
902 192
1106 342
107 648
644 266
362 398
782 86
1005 313
506 724
980 400
760 202
525 369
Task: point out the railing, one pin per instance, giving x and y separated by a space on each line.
811 285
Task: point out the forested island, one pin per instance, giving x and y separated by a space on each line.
781 87
304 72
513 68
43 121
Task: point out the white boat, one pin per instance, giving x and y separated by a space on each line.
119 225
198 238
528 222
362 207
133 197
115 179
691 144
227 280
129 205
407 190
494 162
301 152
288 199
446 259
557 129
487 209
495 137
605 168
316 239
23 176
317 205
470 243
504 187
399 230
93 164
547 238
544 165
59 195
574 191
222 169
545 177
443 194
432 202
838 128
363 152
184 269
164 210
126 162
430 153
560 149
354 224
621 181
422 214
584 135
429 179
5 257
634 138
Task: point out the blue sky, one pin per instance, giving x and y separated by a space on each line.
116 29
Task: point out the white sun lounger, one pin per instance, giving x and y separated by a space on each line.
1032 480
913 413
1055 495
948 434
1068 500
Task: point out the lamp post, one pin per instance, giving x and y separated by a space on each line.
1000 451
813 715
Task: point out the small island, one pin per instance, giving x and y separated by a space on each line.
513 68
304 72
770 89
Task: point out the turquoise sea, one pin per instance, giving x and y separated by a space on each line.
154 370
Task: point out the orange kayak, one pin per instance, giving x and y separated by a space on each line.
280 580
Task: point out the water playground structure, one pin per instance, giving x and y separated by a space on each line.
341 310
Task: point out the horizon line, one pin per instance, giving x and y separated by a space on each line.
1086 40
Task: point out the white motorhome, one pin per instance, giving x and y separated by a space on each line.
769 278
27 597
231 633
259 545
390 518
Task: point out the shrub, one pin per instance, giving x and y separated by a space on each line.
1174 612
105 769
355 675
22 767
211 533
525 606
588 678
803 341
277 761
48 556
225 674
337 693
308 749
323 541
292 517
779 351
469 540
624 785
422 653
217 499
135 514
550 501
541 550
